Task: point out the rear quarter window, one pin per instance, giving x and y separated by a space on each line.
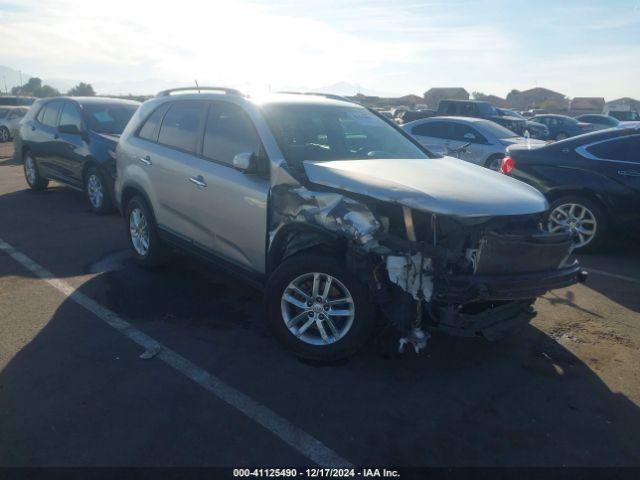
151 125
626 149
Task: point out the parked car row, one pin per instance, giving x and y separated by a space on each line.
9 119
485 140
73 141
334 210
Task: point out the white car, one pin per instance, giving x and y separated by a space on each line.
486 140
10 116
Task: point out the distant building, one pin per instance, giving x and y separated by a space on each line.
580 105
385 102
494 100
537 98
433 96
623 104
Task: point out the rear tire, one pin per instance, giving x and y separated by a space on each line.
146 247
32 174
5 136
321 327
594 213
97 192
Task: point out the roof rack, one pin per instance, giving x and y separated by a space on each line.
228 91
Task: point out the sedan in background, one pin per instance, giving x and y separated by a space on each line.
535 129
73 141
9 119
599 122
592 183
562 126
485 140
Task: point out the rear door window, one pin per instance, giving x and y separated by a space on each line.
51 113
181 126
230 131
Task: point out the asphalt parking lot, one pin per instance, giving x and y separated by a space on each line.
75 391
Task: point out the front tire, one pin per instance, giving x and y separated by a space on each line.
5 136
32 174
146 247
494 162
97 192
582 216
318 309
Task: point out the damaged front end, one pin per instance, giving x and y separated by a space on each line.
466 276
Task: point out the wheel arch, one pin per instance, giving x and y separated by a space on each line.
555 194
131 190
296 237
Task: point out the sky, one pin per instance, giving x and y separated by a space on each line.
579 48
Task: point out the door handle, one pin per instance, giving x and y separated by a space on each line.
145 160
199 181
629 173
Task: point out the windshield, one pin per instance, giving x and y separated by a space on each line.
110 118
498 131
329 132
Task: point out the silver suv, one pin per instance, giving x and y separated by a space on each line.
340 216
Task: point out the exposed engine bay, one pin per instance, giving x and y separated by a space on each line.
465 275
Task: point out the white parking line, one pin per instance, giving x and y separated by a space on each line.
613 275
300 440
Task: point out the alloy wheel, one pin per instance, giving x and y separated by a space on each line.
574 218
139 229
4 135
317 308
30 170
95 190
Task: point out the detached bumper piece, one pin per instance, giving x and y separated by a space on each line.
474 288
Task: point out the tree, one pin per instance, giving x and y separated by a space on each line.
82 90
478 95
34 87
46 91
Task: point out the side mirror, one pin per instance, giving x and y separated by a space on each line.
69 129
245 162
469 136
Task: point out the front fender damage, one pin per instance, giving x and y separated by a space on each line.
400 281
427 270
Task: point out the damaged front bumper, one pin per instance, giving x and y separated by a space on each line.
473 288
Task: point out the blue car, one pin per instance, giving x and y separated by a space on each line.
73 141
562 126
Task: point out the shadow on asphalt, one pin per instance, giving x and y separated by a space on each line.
9 161
525 400
620 256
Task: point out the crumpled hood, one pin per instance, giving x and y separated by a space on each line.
446 185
